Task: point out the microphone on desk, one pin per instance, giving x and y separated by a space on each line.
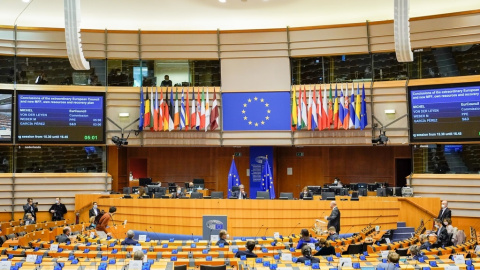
265 234
190 254
209 241
156 235
290 234
256 242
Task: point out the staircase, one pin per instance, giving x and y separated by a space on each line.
402 232
455 162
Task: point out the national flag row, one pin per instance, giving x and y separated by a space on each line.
172 113
342 111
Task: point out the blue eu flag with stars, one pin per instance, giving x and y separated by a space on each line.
267 180
256 111
233 179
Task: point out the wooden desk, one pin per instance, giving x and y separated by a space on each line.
245 217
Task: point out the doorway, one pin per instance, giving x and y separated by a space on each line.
403 168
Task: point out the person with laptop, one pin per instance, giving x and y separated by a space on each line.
305 238
305 193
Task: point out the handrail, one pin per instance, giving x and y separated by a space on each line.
418 206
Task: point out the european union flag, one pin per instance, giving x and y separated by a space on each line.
233 178
267 180
256 111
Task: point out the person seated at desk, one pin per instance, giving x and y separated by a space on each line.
425 244
142 193
332 234
166 81
392 260
129 241
415 252
65 237
223 236
191 187
305 193
28 219
307 255
241 193
138 255
305 238
178 194
325 248
250 245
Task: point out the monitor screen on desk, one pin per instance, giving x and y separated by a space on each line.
316 190
144 181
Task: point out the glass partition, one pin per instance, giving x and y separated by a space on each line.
6 158
7 69
49 159
58 71
447 159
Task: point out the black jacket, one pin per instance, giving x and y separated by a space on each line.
60 210
247 253
334 219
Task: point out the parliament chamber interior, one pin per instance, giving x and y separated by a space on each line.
267 134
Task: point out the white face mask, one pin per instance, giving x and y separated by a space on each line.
436 226
445 223
444 206
178 191
228 236
94 207
57 202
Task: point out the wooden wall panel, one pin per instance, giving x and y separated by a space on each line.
318 166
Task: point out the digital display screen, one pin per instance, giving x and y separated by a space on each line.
444 113
60 117
5 116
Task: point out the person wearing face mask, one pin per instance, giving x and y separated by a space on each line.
240 194
58 209
442 234
305 193
178 193
223 236
94 211
445 212
105 219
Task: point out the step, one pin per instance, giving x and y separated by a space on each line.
401 224
404 230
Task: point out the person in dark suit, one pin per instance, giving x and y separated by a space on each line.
58 209
334 218
31 208
94 212
222 238
250 245
305 193
445 212
166 81
307 255
425 243
65 237
325 248
392 260
332 234
178 193
240 194
129 241
442 234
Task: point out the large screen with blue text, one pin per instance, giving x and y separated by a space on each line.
444 113
60 117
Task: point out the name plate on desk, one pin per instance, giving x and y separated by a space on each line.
214 238
136 248
135 265
54 247
385 254
459 259
286 257
5 265
31 258
452 267
142 237
345 262
276 235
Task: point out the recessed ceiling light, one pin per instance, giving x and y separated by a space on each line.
26 1
222 1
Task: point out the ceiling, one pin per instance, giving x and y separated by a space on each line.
213 15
